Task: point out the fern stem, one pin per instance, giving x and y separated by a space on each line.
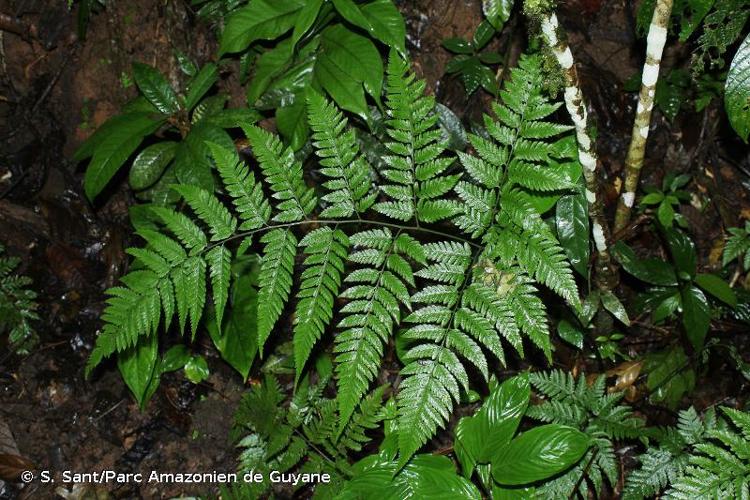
657 36
391 225
605 276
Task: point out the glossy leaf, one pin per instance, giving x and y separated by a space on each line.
572 221
258 20
137 365
493 425
196 369
150 164
652 271
696 315
237 338
682 249
200 84
612 304
497 12
737 91
124 135
155 87
538 454
425 476
717 287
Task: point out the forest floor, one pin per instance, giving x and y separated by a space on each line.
55 90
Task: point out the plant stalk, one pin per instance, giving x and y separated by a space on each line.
604 275
657 37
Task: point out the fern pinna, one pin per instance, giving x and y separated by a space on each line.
374 267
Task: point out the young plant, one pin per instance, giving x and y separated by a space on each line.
455 297
471 63
181 124
594 412
738 246
667 199
325 52
678 287
505 463
17 306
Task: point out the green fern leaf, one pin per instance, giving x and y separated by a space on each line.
183 227
247 194
283 174
275 279
209 209
415 166
341 160
219 260
326 251
374 293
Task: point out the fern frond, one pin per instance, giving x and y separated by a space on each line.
374 292
719 468
209 209
283 174
326 251
596 413
247 194
274 280
416 167
187 231
340 157
737 246
219 260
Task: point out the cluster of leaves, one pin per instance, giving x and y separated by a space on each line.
178 126
460 297
677 286
327 47
667 199
17 306
705 458
738 246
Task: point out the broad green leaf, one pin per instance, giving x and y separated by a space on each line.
305 20
458 46
268 66
387 22
452 130
196 369
570 334
682 249
656 272
737 91
696 315
493 425
669 376
193 164
150 164
539 454
125 133
717 287
483 34
258 20
572 220
612 304
292 123
497 12
174 359
355 56
137 365
652 198
347 92
423 477
200 84
237 339
155 87
665 214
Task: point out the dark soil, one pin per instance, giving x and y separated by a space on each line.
55 90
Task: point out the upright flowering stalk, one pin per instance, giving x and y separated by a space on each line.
657 36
